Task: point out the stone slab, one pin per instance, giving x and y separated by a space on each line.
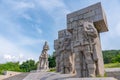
47 76
93 13
113 72
112 69
57 76
107 78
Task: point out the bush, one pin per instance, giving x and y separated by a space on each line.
11 66
28 66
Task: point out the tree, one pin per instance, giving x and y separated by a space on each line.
51 60
28 66
111 56
116 58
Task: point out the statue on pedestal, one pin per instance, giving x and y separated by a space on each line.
43 59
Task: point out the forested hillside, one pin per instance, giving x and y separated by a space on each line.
111 56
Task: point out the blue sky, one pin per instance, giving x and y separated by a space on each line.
26 25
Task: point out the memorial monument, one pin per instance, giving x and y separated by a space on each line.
43 59
84 27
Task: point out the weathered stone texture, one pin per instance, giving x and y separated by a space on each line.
113 72
87 60
64 55
108 78
43 59
58 76
79 44
57 55
93 13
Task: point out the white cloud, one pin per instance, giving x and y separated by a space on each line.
23 5
19 5
12 38
19 8
38 30
26 16
15 58
6 46
51 5
24 40
56 8
21 56
11 52
6 56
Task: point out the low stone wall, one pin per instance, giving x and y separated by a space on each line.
113 72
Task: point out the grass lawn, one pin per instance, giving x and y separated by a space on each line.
112 65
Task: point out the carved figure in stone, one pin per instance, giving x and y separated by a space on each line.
84 36
66 55
43 59
57 54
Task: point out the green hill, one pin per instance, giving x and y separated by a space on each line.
111 56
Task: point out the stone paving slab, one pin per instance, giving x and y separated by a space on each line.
35 76
57 76
113 72
47 76
112 69
109 78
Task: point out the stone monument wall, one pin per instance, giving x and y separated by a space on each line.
82 39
